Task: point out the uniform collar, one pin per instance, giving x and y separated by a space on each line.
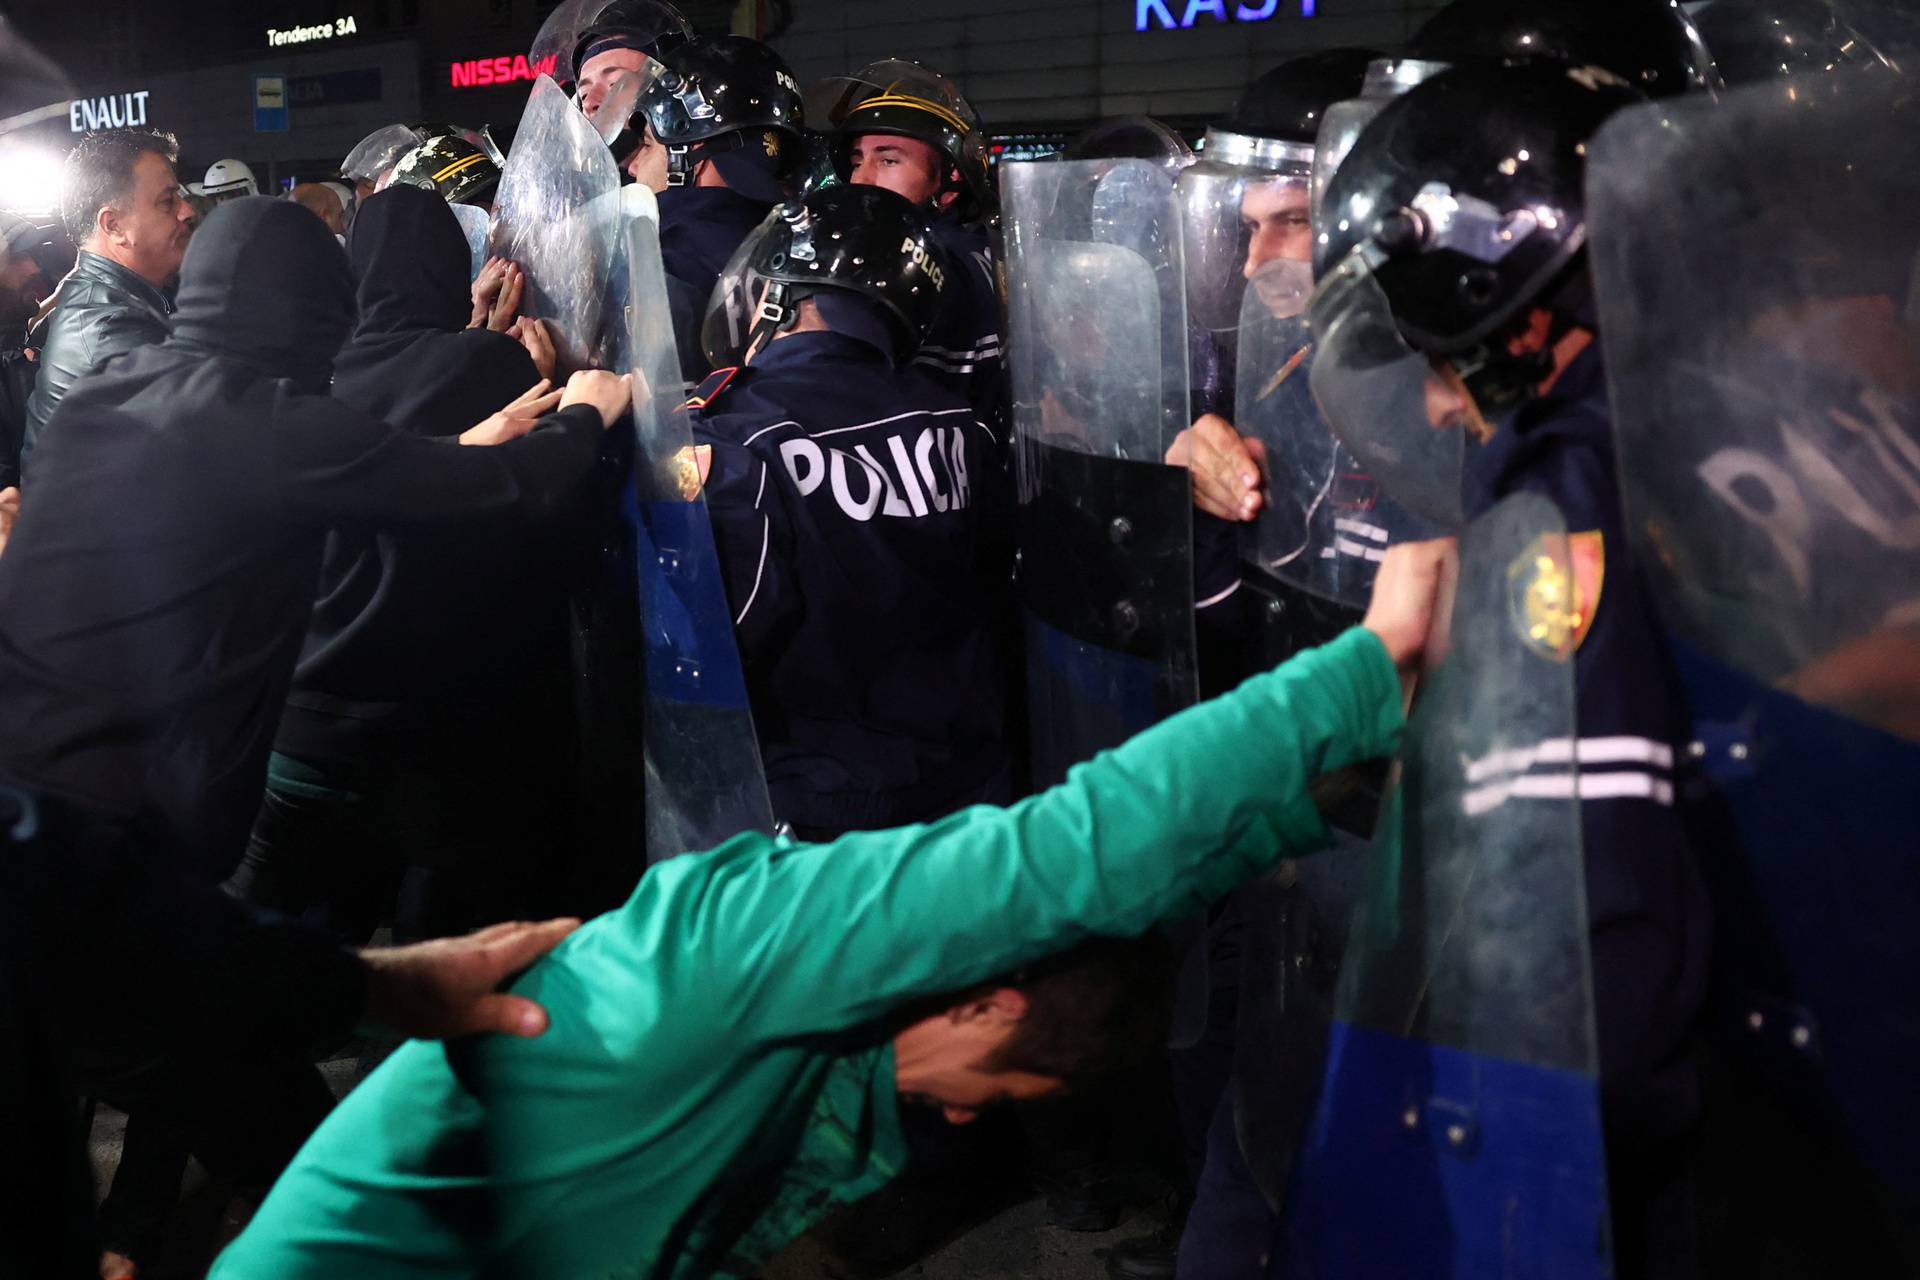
817 346
678 203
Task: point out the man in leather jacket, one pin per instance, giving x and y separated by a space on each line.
121 203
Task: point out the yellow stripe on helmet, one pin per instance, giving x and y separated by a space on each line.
918 104
460 166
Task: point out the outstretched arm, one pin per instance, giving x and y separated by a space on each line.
825 936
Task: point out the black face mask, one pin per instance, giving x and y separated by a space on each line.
1499 382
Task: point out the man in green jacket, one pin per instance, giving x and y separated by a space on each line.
729 1050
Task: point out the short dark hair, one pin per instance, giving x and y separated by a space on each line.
99 173
1100 1008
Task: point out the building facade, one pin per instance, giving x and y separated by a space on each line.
289 87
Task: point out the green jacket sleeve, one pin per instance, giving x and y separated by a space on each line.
812 938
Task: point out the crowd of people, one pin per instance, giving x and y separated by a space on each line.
916 612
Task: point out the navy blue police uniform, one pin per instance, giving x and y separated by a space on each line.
1648 913
1649 918
700 230
963 352
850 499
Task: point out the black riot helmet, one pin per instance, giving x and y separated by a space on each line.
842 242
1461 207
579 29
1759 40
1130 138
1277 120
730 100
376 154
451 167
1651 44
907 100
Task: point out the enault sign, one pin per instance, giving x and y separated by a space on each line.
1158 15
116 111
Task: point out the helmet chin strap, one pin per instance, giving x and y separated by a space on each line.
681 166
684 161
779 308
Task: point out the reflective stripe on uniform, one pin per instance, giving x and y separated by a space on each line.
1616 767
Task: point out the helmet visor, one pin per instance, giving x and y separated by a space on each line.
378 152
733 308
638 22
1373 389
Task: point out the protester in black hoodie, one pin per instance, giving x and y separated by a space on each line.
427 723
155 592
152 603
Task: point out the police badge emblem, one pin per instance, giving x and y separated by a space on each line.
1543 600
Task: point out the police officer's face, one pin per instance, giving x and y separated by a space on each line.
1448 404
600 72
149 233
648 163
1275 217
905 166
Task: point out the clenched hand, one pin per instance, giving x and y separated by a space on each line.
1229 469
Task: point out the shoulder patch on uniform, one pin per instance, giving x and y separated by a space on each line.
709 391
1588 551
1540 597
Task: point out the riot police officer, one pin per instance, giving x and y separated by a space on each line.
596 46
1452 278
1288 531
906 127
717 137
1248 242
848 495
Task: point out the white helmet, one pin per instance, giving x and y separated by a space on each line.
229 178
348 204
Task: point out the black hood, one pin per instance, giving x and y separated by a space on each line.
412 261
266 285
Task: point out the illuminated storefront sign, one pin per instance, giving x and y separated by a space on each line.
1158 15
277 36
502 70
116 111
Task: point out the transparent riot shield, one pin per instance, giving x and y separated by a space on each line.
1327 522
556 215
1371 388
1098 354
1764 362
1292 931
1343 122
1231 218
475 225
612 348
704 781
1458 1126
1098 337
